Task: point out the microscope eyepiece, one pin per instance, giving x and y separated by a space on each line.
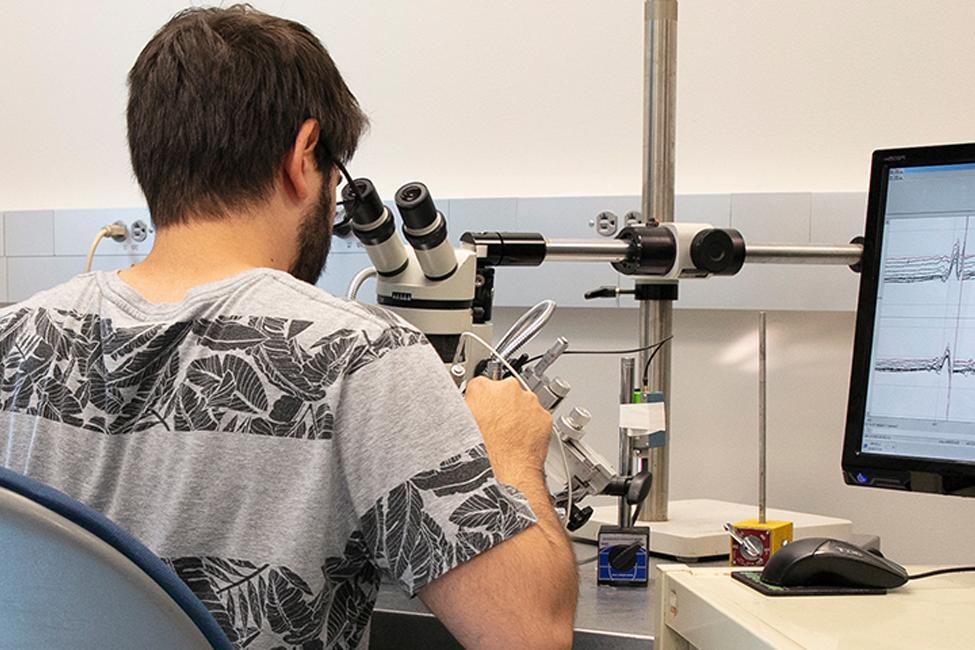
366 206
413 192
373 225
416 206
426 231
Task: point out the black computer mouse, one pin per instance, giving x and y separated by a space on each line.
822 562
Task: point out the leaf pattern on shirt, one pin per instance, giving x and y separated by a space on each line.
246 374
415 533
414 546
268 605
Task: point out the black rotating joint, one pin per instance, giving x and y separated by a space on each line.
653 251
720 251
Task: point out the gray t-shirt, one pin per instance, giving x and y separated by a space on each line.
280 448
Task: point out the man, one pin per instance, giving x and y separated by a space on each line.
278 447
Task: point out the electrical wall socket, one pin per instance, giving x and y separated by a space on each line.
73 231
605 223
139 230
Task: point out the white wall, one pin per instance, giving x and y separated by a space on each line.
516 98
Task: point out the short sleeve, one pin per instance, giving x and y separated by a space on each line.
415 465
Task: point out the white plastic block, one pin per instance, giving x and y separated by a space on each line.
647 417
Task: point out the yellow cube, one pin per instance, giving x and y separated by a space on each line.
762 540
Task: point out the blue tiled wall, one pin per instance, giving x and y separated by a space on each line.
42 248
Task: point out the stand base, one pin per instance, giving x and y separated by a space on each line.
696 526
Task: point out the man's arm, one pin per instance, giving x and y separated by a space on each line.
521 593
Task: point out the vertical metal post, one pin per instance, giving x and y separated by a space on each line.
662 326
762 418
627 365
659 128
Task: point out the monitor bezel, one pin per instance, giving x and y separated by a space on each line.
881 470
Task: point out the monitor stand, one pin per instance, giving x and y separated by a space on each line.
695 529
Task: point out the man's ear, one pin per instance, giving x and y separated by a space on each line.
300 161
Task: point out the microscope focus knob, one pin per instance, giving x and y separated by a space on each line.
578 418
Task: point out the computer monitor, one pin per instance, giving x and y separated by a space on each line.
911 412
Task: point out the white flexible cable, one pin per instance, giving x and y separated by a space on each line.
568 479
517 375
526 327
117 231
102 234
487 346
358 280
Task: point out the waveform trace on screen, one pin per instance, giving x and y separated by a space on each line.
924 358
936 364
915 269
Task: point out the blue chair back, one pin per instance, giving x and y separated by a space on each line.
70 578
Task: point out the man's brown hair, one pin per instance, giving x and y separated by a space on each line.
216 99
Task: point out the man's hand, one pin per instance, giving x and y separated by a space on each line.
516 428
522 592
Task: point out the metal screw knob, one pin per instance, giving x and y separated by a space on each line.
457 373
578 418
559 387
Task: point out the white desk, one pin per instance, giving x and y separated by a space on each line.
705 608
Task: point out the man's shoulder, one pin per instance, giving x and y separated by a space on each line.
269 305
317 305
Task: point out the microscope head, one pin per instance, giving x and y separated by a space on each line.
428 283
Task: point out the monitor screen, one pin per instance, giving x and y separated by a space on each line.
911 415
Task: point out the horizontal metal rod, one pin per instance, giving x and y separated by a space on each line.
615 250
585 250
847 254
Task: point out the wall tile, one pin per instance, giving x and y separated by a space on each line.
340 270
349 245
29 233
563 282
796 287
772 218
74 231
838 217
569 217
28 275
714 209
474 215
3 280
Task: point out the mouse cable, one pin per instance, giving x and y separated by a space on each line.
938 572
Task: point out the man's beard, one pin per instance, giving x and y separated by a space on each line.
314 240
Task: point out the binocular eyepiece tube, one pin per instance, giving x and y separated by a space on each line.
426 231
373 225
